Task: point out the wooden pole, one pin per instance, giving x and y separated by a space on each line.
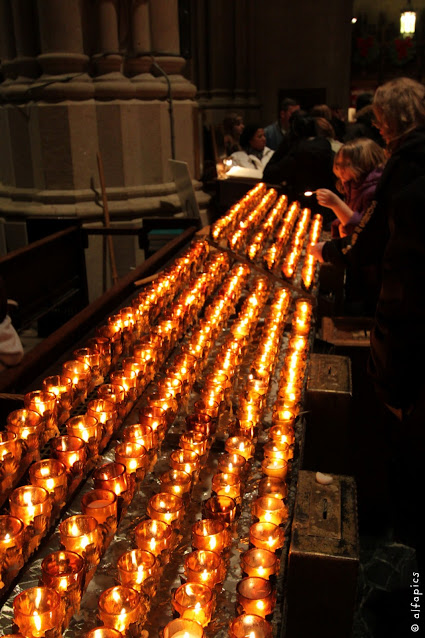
106 219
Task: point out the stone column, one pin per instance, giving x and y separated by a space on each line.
26 65
62 55
139 60
110 82
164 21
7 43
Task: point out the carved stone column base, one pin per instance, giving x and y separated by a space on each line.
181 88
77 86
146 85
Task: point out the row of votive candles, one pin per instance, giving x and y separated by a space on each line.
256 595
267 227
204 567
227 223
310 263
274 253
238 238
296 245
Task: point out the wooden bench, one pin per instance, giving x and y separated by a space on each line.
47 279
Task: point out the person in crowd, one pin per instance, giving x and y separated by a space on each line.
325 129
338 121
254 154
276 132
304 160
364 127
11 350
358 166
233 126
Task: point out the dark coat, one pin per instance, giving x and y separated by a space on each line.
305 165
397 362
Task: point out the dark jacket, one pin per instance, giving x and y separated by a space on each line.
397 362
306 165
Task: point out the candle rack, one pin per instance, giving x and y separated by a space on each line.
133 511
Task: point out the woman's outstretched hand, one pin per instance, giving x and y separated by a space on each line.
327 198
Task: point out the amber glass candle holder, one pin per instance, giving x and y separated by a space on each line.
105 412
205 567
33 506
272 486
210 534
11 543
71 451
141 434
133 456
128 380
38 612
82 534
240 445
207 406
250 625
111 476
26 424
114 338
61 387
50 474
277 468
10 454
64 572
202 423
172 385
259 562
103 632
103 347
222 508
182 628
103 506
115 394
165 401
87 428
194 441
153 536
232 464
270 510
93 359
227 485
277 451
193 601
133 364
166 507
121 608
185 460
176 482
135 567
155 418
79 373
45 404
280 433
266 536
256 596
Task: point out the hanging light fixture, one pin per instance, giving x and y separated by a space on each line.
407 21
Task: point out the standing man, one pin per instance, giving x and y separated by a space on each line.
275 132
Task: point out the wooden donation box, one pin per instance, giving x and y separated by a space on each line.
323 559
328 400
